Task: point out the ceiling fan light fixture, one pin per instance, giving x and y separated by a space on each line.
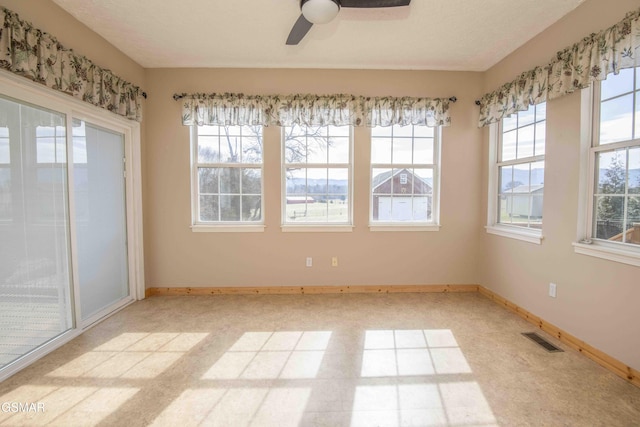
320 11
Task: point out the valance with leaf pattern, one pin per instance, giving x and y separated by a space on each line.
311 110
574 68
37 55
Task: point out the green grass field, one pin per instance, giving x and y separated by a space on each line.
332 211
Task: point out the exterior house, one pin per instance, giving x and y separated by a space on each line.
401 195
520 201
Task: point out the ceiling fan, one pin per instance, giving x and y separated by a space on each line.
323 11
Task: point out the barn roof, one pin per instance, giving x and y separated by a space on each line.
527 189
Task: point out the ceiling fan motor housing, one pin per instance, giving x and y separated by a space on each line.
319 11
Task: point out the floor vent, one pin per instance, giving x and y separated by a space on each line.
544 343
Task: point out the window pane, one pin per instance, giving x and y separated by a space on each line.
526 117
381 150
229 208
381 181
339 150
537 174
541 129
229 181
402 181
617 85
611 172
519 209
296 183
208 149
525 142
317 150
208 178
251 181
504 212
251 208
634 170
423 151
609 217
510 122
337 208
541 111
505 174
535 218
508 148
423 182
521 176
339 130
339 181
209 208
317 180
381 131
616 120
633 220
229 148
402 150
423 131
252 149
400 131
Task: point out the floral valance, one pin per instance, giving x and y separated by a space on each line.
311 110
37 55
574 68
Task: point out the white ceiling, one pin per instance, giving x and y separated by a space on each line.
467 35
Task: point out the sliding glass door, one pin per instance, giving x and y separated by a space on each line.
35 280
100 218
70 220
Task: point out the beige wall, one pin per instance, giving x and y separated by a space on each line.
178 257
597 300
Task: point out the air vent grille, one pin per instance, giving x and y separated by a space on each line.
542 342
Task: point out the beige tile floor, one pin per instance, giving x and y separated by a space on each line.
317 360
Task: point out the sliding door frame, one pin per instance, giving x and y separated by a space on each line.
27 91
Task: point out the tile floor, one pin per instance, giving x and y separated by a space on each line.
317 360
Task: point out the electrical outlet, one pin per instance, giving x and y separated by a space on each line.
552 290
334 261
309 261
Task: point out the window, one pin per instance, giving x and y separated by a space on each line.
615 154
316 175
404 175
517 170
227 175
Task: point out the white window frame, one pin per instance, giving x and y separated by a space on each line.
221 226
320 227
525 234
434 223
26 91
586 244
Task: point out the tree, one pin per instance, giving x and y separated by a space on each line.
511 185
609 207
299 142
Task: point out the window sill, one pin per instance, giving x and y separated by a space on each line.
226 228
317 228
404 227
515 233
622 255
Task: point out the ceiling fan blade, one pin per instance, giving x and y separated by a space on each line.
299 30
374 3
